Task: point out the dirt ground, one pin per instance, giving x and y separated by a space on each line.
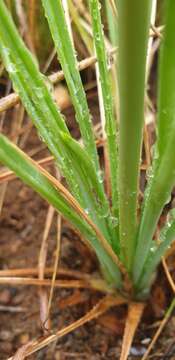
21 228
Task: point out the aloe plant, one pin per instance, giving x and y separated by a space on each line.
122 240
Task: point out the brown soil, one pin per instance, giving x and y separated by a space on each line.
22 222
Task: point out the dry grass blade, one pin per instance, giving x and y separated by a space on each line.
21 353
9 175
47 271
147 146
18 117
168 275
44 245
41 266
101 307
44 282
135 312
82 10
3 187
93 284
9 101
49 61
32 22
158 332
167 315
23 25
114 8
57 256
2 116
12 309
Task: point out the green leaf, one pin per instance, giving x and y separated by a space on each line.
23 167
66 53
32 175
162 177
31 86
34 93
133 27
98 208
110 121
156 252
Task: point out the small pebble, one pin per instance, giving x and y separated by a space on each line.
137 351
146 341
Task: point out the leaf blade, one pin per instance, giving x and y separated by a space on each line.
162 177
133 20
66 54
32 175
110 121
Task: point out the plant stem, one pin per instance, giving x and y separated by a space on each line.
134 20
107 103
166 237
162 177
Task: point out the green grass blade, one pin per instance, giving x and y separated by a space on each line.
35 95
23 167
98 208
68 61
110 121
26 169
167 235
162 178
159 195
66 53
134 20
166 99
112 23
84 162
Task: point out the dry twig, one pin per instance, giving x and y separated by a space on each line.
9 101
41 266
101 307
135 311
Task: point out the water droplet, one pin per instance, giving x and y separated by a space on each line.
39 92
153 248
11 68
100 176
